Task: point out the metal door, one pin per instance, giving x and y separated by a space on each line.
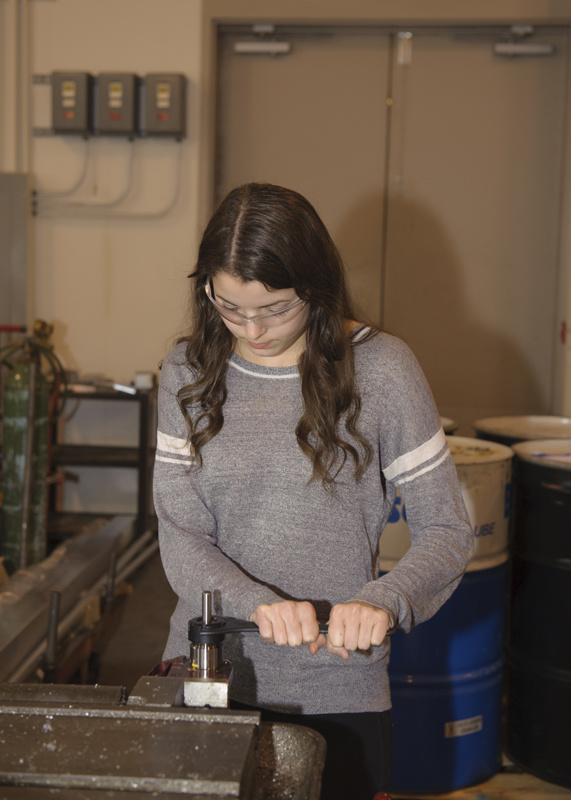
314 120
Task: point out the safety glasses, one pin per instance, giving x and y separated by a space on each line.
269 320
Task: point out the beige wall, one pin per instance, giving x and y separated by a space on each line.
115 288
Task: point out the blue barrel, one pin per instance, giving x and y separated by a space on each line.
447 674
464 636
447 685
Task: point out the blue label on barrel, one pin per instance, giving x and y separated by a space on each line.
398 510
487 529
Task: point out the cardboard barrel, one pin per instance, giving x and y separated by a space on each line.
539 639
484 473
447 674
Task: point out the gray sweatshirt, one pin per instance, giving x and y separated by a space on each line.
250 528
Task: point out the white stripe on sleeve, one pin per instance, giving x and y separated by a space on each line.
173 445
416 458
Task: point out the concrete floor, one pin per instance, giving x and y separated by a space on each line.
137 642
506 785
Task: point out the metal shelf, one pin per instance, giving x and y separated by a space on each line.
89 455
139 457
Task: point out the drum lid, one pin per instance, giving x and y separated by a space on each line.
553 453
526 427
477 451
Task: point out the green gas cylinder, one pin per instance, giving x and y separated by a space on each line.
15 401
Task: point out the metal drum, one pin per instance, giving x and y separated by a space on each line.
447 674
539 639
448 425
446 687
509 430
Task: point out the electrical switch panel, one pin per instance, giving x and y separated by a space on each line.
165 105
72 103
117 107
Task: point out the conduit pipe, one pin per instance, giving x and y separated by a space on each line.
22 86
98 210
49 202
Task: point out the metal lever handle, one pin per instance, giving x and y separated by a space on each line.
208 629
200 632
251 626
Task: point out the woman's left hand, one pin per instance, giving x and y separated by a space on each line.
353 626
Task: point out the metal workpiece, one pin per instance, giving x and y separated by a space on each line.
206 608
200 687
206 659
213 691
206 635
205 674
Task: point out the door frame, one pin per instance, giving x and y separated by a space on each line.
390 14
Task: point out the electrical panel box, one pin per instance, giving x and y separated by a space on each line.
117 108
72 103
165 105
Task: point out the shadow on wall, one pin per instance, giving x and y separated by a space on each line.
359 238
474 367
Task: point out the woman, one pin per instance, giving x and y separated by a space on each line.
285 427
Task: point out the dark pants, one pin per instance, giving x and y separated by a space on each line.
359 750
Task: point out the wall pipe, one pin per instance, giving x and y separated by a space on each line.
22 83
97 211
57 195
48 202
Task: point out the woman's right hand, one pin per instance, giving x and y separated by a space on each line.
287 622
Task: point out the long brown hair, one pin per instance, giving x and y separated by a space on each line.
265 233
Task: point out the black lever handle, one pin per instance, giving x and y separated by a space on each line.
213 632
208 629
